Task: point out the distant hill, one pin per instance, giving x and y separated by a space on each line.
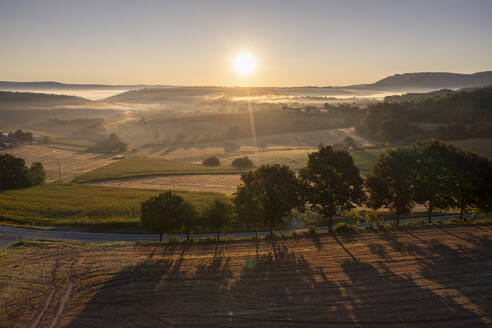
12 86
31 100
446 115
430 80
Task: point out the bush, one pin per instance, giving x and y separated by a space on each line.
344 227
112 144
354 215
375 217
211 161
37 174
242 162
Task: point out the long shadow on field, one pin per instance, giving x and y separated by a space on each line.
462 272
383 298
156 293
283 289
467 271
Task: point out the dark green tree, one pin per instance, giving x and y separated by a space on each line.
219 216
37 175
432 176
467 180
247 206
391 183
188 219
160 213
13 172
211 161
275 191
242 162
331 182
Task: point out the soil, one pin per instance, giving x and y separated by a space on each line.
419 277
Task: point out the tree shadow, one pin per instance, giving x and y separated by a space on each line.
379 250
464 270
384 298
282 289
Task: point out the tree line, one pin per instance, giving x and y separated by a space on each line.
430 173
457 115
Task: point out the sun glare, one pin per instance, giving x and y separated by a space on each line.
244 63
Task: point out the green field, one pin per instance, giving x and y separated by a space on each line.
148 166
366 158
83 207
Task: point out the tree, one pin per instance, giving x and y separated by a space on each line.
13 172
218 216
275 191
116 144
331 182
432 178
112 144
188 218
37 175
160 213
391 183
24 136
242 162
211 161
247 206
484 190
467 180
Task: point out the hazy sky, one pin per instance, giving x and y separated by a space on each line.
194 42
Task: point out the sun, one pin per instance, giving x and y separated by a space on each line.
244 63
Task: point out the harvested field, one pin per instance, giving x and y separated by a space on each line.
72 161
421 277
222 183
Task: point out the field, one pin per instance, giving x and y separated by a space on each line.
366 158
420 277
83 207
148 166
72 160
220 183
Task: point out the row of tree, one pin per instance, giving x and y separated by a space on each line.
15 174
169 212
430 173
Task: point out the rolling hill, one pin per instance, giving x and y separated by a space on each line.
430 80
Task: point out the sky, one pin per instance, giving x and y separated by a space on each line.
295 43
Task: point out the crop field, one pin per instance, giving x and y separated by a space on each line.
148 166
220 183
420 277
83 207
72 161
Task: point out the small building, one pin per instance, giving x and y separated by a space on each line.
5 134
36 136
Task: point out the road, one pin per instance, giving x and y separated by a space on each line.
10 235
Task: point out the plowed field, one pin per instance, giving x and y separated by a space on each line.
420 277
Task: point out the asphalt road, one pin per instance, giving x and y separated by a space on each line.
10 235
